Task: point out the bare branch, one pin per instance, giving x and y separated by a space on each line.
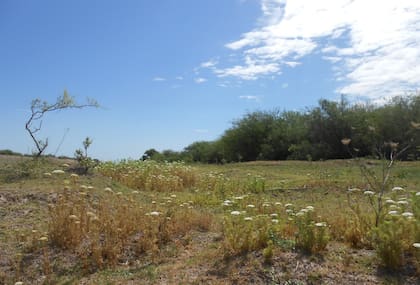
40 108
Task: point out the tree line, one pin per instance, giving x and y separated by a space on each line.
313 134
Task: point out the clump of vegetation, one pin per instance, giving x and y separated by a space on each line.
311 236
393 238
313 134
9 152
85 162
243 234
393 230
359 223
150 175
24 168
112 228
223 216
396 235
254 227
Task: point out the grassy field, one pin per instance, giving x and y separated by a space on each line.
285 222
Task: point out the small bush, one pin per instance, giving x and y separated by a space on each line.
360 222
9 152
255 184
245 234
268 253
390 244
394 238
311 236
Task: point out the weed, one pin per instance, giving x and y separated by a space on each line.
25 168
150 175
393 238
358 225
242 235
268 253
155 217
311 236
102 230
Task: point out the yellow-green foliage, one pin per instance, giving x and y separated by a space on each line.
415 198
268 253
358 223
150 175
103 229
393 239
248 227
311 236
243 234
398 229
248 212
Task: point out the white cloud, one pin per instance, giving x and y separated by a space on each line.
200 80
292 63
250 71
209 64
373 43
179 78
201 131
250 97
332 59
159 79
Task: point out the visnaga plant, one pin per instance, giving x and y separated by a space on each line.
394 235
396 227
311 236
378 181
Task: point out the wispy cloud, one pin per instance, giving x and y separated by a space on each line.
209 64
200 80
179 78
292 63
285 85
250 71
332 59
250 98
374 43
201 131
159 79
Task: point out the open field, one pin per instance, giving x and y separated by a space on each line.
132 222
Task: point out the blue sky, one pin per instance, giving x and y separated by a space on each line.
168 73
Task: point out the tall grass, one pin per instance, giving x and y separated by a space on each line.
104 227
106 230
150 175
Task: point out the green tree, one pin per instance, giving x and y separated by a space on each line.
205 152
150 154
243 142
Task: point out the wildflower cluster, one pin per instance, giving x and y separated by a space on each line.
252 225
398 230
104 226
150 175
311 235
247 223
